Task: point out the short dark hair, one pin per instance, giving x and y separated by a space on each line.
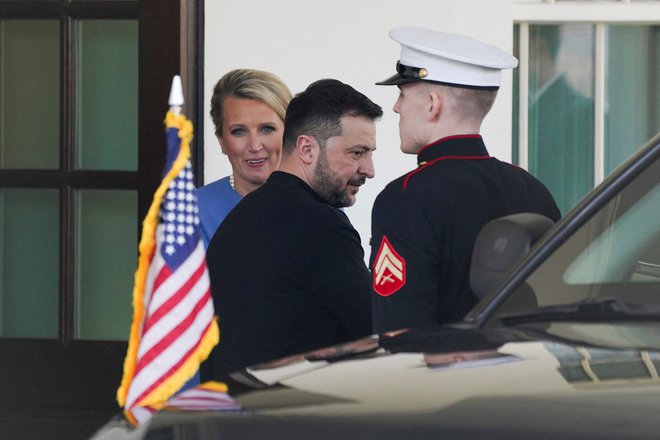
317 111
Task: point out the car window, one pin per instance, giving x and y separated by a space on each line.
627 250
614 255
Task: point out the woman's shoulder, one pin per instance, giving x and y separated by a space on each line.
220 186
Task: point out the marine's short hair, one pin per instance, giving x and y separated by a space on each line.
470 103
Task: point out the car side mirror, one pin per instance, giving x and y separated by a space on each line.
500 244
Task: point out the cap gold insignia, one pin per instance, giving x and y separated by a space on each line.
423 73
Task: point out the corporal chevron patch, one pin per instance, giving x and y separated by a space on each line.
389 270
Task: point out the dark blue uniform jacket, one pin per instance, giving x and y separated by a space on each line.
424 225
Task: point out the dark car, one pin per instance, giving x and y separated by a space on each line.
564 345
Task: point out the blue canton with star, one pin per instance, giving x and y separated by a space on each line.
179 216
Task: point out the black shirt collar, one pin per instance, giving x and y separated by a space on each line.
283 177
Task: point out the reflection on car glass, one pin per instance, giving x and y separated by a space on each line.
645 272
614 254
605 308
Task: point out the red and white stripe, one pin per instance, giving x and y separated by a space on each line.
178 311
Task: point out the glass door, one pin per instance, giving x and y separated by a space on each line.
83 93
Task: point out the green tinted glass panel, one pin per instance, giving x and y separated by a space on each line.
106 111
632 90
29 93
561 109
29 262
515 144
106 259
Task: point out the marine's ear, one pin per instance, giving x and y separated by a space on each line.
436 104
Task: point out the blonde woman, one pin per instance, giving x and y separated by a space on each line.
247 109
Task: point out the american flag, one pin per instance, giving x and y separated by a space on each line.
174 328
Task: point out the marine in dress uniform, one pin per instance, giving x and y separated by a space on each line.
424 224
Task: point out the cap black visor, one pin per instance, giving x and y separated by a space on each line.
397 79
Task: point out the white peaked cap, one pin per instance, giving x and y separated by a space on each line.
451 59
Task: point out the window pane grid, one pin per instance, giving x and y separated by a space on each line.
615 69
59 137
106 111
29 290
106 258
631 89
560 148
29 87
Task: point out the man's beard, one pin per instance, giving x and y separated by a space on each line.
329 186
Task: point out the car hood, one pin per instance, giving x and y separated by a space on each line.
451 383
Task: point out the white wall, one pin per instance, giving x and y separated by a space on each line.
302 41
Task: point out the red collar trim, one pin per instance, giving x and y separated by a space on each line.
428 164
456 136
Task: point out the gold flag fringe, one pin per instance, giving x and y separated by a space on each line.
157 397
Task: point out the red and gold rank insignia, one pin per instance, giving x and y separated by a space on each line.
389 270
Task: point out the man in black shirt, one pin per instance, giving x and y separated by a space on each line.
286 265
424 224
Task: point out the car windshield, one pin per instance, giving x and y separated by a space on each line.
613 259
